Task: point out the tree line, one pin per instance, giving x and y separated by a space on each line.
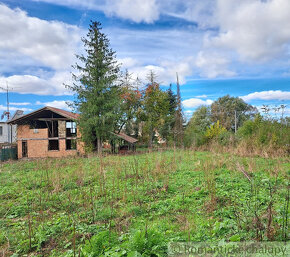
110 101
230 122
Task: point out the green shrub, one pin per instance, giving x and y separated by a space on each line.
105 214
194 134
262 132
248 129
214 130
100 243
2 238
194 138
224 137
148 243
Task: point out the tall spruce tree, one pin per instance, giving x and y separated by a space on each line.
97 95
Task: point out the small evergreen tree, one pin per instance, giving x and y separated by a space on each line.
97 96
167 131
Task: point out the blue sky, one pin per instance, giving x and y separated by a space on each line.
218 47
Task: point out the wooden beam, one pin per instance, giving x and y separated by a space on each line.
52 119
48 138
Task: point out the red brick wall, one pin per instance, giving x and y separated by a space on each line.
37 144
23 131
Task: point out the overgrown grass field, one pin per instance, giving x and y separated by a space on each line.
134 205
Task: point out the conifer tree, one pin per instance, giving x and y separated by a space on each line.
167 131
97 95
179 119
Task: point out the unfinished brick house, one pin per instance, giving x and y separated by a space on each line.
48 132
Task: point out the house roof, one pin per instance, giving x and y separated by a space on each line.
17 114
125 137
66 114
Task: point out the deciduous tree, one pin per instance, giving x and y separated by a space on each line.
226 109
196 127
131 102
156 106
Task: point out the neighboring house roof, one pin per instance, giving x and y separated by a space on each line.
127 138
66 114
17 114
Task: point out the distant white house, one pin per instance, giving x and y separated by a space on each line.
7 131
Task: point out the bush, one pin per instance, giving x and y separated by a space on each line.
224 137
215 130
100 243
148 243
247 129
195 130
194 138
264 132
140 243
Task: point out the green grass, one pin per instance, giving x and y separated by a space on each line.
136 205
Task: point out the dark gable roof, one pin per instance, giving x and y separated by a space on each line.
127 138
66 114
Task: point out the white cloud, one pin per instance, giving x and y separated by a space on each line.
268 95
11 61
146 11
61 104
166 71
28 84
183 67
201 96
50 43
201 12
128 62
13 108
133 45
213 65
239 25
195 102
135 10
20 104
257 30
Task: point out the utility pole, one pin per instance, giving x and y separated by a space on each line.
7 99
8 112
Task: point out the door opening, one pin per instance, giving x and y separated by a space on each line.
24 148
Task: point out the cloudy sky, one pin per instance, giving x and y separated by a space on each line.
218 47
